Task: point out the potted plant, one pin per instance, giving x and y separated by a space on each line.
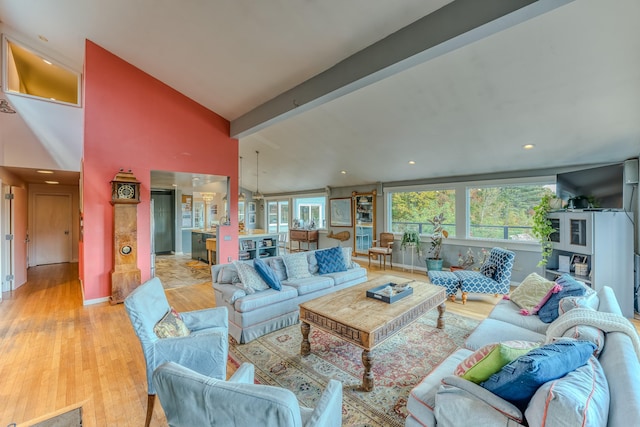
434 262
542 227
410 238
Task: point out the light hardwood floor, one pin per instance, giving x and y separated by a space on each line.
55 352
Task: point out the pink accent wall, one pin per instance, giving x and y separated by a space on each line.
133 121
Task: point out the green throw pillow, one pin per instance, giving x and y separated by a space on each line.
489 359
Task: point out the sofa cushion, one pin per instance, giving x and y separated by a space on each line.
570 287
264 299
267 274
330 260
509 312
580 398
488 269
297 265
491 358
461 403
421 401
532 293
249 277
228 275
313 262
310 284
586 301
492 330
346 253
277 265
171 325
346 276
519 380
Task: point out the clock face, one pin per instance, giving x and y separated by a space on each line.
126 191
125 250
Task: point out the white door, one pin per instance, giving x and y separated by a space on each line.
51 236
20 238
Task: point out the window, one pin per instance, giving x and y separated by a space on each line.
240 212
308 210
278 216
412 210
504 212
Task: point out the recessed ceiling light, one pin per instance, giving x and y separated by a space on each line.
52 182
343 172
174 185
412 162
528 146
44 171
43 38
46 62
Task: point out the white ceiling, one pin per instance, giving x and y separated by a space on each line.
567 81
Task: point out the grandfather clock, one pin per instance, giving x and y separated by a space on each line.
125 196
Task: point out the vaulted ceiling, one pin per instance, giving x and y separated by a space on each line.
321 87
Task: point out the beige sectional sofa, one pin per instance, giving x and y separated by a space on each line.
444 399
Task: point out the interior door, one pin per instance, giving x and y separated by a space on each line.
52 228
20 237
163 220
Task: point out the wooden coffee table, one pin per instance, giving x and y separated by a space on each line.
366 322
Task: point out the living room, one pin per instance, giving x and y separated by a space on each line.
130 120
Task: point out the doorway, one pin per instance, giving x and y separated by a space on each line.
52 228
164 219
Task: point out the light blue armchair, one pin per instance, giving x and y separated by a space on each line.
205 350
191 399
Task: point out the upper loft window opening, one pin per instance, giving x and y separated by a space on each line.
30 74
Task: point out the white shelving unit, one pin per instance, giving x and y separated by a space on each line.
258 246
606 240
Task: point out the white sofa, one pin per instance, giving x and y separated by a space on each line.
254 315
446 400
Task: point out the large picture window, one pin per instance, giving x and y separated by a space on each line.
504 212
412 210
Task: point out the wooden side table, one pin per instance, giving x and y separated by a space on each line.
303 236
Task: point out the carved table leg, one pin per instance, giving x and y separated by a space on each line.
441 310
367 377
305 345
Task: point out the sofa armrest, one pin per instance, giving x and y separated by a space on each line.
477 397
245 374
217 317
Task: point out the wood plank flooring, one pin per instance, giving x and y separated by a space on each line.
55 352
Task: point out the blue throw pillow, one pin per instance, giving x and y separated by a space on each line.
330 260
570 288
518 381
267 274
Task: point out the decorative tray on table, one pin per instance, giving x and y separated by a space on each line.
390 292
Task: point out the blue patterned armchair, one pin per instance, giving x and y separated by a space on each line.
204 349
494 276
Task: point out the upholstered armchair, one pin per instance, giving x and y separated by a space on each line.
192 399
382 248
203 348
494 276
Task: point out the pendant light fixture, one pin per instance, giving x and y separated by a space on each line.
241 196
257 195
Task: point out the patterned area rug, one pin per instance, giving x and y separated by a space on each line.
400 364
176 271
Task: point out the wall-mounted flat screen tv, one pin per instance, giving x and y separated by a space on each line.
602 185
